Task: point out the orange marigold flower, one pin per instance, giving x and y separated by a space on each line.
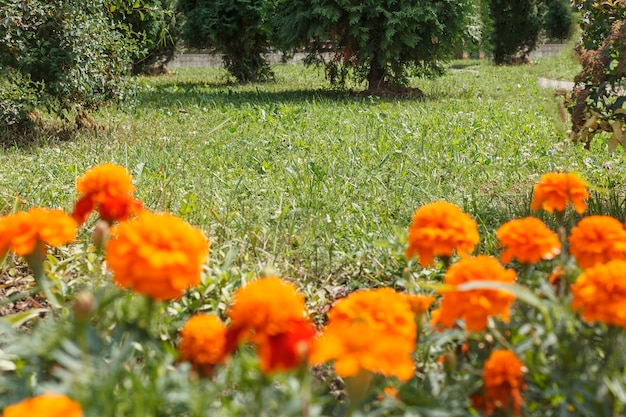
47 405
600 293
556 190
474 306
158 255
503 376
528 240
288 349
597 239
271 313
369 330
203 341
109 189
555 277
420 303
438 229
23 231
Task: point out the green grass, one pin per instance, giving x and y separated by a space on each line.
312 181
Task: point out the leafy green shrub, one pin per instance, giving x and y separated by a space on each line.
156 25
382 42
18 98
558 20
516 28
236 29
597 102
70 48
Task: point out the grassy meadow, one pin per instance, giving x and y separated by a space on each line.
320 184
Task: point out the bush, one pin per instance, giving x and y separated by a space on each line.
18 99
597 102
516 27
236 29
558 21
68 47
156 25
383 42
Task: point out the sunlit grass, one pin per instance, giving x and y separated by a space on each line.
313 181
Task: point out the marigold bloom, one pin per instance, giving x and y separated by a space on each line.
597 239
474 306
371 330
556 190
47 405
270 313
600 293
286 350
438 229
109 189
503 376
158 255
420 303
22 231
203 341
528 240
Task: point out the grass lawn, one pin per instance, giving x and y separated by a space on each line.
316 183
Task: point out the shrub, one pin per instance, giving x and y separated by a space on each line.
516 27
156 25
596 103
235 29
69 48
558 21
382 42
18 98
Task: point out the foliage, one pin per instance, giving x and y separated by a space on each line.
596 103
563 348
516 27
558 20
67 48
156 25
238 30
382 42
18 98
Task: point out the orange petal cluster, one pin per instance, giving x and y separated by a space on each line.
371 330
158 255
270 313
420 303
556 190
203 341
596 240
47 405
600 293
474 306
21 232
503 375
438 229
528 240
109 189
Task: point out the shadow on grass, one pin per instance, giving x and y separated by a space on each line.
38 135
172 94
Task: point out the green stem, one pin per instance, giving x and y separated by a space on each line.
304 375
35 262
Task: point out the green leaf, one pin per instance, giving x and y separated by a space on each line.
520 292
20 318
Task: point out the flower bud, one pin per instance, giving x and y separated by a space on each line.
84 306
101 234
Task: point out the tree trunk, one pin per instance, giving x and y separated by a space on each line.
375 77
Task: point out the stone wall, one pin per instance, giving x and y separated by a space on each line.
208 60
